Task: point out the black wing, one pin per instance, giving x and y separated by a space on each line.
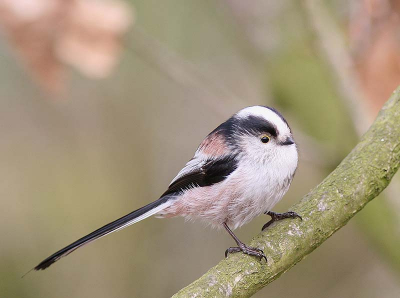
212 171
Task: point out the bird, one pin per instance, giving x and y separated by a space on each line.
238 172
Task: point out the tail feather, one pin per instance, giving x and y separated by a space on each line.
114 226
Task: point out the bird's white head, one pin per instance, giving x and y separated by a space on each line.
261 134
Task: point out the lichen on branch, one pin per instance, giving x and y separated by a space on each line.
359 178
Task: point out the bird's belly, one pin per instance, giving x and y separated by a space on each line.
229 202
235 201
245 208
259 195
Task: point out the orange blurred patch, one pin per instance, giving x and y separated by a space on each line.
46 34
375 43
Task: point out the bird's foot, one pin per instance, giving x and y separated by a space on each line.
251 251
278 216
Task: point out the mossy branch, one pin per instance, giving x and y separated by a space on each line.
361 176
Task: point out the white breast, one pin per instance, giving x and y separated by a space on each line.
262 185
253 188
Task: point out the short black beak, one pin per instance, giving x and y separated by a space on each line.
288 141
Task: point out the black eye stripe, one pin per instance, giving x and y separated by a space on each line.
252 125
257 125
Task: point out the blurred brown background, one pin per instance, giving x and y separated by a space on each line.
103 102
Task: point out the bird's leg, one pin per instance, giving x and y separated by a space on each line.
252 251
278 216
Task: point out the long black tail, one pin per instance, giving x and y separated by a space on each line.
116 225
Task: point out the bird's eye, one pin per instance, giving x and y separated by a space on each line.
265 139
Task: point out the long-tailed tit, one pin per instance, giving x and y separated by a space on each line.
239 171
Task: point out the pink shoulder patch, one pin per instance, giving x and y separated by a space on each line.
213 145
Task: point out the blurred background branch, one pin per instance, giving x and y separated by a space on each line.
182 72
332 47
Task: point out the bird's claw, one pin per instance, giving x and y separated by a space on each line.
279 216
251 251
